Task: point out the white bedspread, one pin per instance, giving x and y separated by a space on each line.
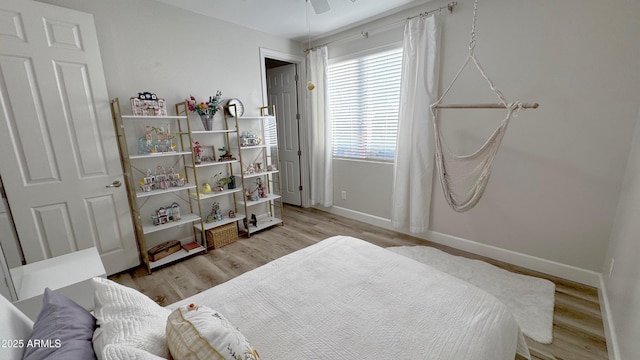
344 298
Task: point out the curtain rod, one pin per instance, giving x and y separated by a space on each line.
449 7
365 34
483 106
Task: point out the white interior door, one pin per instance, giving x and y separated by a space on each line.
59 147
281 91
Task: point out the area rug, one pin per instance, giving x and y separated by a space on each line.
530 299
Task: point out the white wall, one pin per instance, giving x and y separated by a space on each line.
370 194
556 180
623 287
150 46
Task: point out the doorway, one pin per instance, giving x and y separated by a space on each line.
281 87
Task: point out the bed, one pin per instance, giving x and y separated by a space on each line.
342 298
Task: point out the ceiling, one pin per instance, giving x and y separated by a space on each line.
287 18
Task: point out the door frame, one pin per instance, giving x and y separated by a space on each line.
303 124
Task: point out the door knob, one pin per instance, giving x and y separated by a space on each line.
116 183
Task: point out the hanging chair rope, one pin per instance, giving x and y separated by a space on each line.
464 178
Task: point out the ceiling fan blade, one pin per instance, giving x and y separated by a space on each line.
320 6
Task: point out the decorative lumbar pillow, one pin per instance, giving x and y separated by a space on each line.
63 330
199 333
129 318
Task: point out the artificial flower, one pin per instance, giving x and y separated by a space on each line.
206 108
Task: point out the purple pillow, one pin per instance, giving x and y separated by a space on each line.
63 330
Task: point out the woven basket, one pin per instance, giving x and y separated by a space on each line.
222 235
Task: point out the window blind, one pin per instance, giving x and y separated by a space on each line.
270 132
364 95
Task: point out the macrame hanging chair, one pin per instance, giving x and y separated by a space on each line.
464 178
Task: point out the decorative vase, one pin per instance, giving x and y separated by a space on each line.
207 121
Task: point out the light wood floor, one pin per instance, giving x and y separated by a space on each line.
577 327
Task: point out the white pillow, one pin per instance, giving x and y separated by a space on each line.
121 352
127 317
200 333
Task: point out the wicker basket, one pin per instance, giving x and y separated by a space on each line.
222 235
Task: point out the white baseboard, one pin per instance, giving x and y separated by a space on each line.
609 329
549 267
356 215
545 266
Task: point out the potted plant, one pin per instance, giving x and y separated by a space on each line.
222 181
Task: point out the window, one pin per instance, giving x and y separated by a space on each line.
364 95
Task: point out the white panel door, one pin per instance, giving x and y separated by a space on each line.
59 149
281 91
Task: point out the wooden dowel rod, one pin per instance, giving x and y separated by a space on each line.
483 106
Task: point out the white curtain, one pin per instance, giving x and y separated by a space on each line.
413 170
320 128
